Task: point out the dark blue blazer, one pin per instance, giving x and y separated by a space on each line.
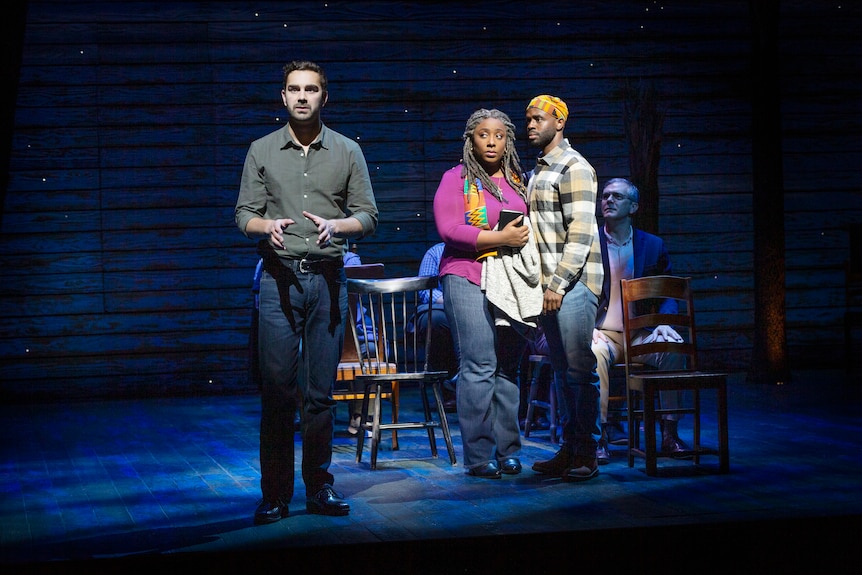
651 259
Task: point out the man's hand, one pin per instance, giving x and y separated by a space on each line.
551 302
274 229
326 228
598 336
666 333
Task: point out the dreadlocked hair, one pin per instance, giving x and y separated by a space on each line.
511 167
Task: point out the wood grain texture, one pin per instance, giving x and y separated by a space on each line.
123 272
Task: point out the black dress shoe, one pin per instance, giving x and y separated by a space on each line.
509 465
270 511
327 502
675 447
487 471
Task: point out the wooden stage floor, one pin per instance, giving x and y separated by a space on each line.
173 482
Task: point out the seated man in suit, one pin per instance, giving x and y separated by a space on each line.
629 253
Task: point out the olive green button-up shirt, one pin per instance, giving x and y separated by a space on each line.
279 180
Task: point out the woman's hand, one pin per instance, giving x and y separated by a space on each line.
514 235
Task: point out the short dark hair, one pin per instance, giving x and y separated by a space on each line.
304 65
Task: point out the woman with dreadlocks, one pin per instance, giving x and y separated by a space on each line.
467 210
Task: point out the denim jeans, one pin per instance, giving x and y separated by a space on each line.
310 332
487 393
569 333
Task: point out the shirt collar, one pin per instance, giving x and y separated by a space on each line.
612 240
551 156
319 141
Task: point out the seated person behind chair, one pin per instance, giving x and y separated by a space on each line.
443 355
629 253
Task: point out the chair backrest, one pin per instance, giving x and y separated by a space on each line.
364 271
642 309
391 304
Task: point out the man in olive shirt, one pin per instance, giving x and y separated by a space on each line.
305 190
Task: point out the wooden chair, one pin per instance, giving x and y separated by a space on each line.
348 366
396 359
643 387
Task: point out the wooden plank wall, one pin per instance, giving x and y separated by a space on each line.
123 272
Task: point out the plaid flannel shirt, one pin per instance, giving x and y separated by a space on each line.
563 190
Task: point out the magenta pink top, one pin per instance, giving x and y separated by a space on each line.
459 255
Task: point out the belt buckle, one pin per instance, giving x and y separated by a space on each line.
304 266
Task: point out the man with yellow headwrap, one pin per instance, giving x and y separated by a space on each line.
563 190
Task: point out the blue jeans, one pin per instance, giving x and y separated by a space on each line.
309 332
569 334
487 393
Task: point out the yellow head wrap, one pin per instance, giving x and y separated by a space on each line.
550 104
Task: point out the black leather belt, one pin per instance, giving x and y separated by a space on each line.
305 266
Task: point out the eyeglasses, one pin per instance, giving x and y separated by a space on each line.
615 195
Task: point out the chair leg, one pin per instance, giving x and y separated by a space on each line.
535 371
426 410
552 416
723 441
696 426
632 429
444 425
375 427
444 422
649 429
396 404
363 417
